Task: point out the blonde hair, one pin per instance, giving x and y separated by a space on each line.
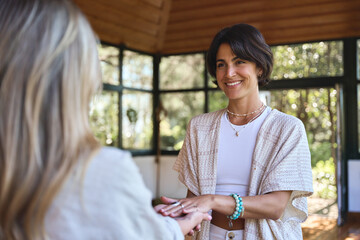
49 70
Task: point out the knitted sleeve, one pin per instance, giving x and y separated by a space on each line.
186 163
290 168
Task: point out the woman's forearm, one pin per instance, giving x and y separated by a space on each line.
267 206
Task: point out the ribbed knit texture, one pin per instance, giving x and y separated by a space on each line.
281 161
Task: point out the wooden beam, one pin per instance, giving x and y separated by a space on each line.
318 37
239 7
117 17
270 14
181 5
136 8
320 33
284 24
163 24
156 3
122 34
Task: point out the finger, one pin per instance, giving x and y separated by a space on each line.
207 217
170 207
197 228
168 200
175 209
191 233
176 213
159 207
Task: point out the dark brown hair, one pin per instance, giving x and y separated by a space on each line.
247 43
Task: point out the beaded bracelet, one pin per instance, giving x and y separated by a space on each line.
239 209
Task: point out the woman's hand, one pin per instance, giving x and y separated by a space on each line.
191 222
176 208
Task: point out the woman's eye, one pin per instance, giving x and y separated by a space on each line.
239 62
219 65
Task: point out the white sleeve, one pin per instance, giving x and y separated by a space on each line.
111 203
137 217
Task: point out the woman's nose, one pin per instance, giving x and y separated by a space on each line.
230 71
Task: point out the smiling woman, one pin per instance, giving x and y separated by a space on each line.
249 164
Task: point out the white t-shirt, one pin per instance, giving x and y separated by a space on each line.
235 155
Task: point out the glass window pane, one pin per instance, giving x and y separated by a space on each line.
109 57
179 108
182 72
104 111
316 108
137 70
137 126
308 60
217 100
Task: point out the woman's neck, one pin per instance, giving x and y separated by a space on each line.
243 106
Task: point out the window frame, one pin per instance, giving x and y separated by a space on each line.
349 44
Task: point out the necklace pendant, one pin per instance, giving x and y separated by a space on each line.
237 134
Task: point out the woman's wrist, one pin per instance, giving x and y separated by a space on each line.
223 204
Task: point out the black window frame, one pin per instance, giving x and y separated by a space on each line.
345 81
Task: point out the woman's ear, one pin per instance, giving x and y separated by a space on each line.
259 72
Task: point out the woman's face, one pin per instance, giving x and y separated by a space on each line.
235 76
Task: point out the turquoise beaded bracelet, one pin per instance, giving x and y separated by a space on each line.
238 208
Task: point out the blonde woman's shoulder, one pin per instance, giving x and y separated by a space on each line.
112 160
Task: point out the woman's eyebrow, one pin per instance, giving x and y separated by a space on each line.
222 60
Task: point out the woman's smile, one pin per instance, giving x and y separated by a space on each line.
234 84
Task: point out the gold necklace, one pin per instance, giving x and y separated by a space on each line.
245 114
243 126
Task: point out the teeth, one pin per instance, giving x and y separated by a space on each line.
232 84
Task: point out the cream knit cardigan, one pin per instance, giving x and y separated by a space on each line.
281 161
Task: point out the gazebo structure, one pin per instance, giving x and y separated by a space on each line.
161 29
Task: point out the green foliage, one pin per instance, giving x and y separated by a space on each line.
137 70
324 181
183 71
180 108
217 100
103 118
308 60
132 115
109 57
137 127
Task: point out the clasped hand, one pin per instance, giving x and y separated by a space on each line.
189 212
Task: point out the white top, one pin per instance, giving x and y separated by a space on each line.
281 162
235 154
112 203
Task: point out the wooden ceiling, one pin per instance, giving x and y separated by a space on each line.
181 26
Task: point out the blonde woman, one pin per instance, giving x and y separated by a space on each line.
56 182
